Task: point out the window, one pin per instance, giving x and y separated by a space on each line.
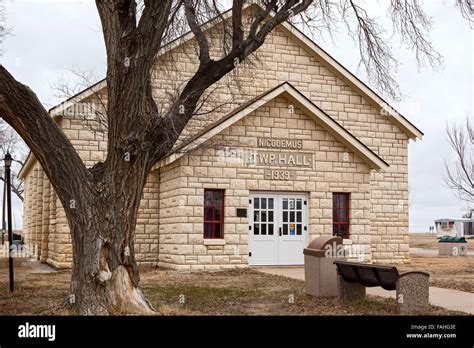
451 224
213 213
263 215
444 225
340 214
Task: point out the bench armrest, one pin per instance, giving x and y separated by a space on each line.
413 272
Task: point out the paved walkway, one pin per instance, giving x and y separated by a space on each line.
431 252
450 299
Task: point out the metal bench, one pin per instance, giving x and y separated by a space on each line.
412 288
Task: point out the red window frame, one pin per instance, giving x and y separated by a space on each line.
337 207
214 222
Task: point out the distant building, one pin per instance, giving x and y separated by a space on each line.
455 227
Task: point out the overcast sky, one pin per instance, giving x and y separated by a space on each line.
50 36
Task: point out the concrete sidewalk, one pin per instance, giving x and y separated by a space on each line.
450 299
431 252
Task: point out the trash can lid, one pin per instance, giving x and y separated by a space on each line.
320 243
449 239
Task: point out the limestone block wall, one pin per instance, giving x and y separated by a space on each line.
283 58
45 220
146 235
26 204
52 240
336 169
44 231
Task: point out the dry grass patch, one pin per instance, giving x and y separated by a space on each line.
429 241
450 272
244 292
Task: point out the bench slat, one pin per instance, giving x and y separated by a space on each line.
368 275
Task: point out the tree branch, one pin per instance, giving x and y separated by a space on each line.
22 110
190 13
211 71
237 29
17 190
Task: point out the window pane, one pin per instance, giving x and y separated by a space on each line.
207 230
285 203
256 229
263 229
285 229
264 216
207 198
292 216
270 203
270 229
298 204
291 204
217 231
342 200
208 213
292 230
263 203
298 216
299 229
343 215
217 214
256 215
218 198
335 215
270 216
256 203
344 229
285 216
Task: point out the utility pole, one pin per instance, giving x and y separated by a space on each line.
8 163
4 221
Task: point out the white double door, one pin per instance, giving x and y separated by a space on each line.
278 228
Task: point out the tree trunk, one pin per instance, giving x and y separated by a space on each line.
99 290
105 277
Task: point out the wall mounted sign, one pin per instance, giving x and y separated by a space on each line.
288 159
280 174
277 143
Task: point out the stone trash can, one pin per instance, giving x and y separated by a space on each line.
452 246
320 272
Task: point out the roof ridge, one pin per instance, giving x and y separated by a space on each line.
292 91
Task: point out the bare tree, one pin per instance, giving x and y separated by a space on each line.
3 28
101 203
459 175
94 117
10 142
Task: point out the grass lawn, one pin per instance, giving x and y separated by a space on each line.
445 271
243 292
450 272
429 241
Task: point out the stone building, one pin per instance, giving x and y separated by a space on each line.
292 146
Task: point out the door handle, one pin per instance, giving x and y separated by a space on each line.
280 231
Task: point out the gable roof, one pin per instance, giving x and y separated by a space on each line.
321 55
301 101
373 98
